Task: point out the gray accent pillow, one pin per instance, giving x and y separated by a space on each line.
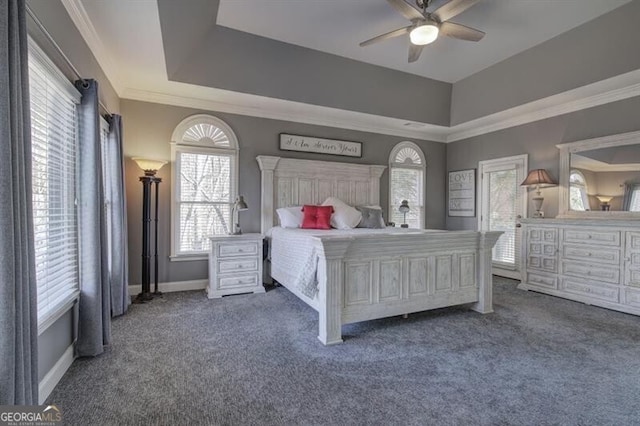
371 218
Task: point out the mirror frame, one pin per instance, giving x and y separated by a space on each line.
566 150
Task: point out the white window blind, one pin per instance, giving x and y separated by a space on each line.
503 193
205 199
407 170
54 121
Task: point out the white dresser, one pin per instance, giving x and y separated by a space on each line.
235 265
588 260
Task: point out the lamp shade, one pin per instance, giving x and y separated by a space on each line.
404 206
150 167
538 177
604 198
240 204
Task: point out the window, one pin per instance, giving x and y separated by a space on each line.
205 156
407 169
578 198
53 101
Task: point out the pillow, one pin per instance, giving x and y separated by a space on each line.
290 217
371 218
345 216
317 217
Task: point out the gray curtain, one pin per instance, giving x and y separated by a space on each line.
94 322
18 311
116 212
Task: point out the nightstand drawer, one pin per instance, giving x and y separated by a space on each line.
237 280
237 249
238 265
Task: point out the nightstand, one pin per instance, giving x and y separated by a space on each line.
235 265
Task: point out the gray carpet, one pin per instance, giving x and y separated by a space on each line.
255 360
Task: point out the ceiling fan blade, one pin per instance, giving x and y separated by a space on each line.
459 31
386 36
414 52
407 11
451 9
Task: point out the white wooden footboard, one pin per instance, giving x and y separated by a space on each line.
375 277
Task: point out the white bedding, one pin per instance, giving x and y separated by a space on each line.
294 260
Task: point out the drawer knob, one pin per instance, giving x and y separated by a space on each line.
240 250
589 237
588 272
239 266
588 254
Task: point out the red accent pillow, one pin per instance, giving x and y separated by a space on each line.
317 217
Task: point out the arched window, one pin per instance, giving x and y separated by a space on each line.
407 170
204 151
578 198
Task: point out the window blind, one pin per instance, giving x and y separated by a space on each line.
503 196
204 199
54 121
406 184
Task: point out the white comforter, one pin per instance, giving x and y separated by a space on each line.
294 260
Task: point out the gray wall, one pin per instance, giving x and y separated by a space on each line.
56 20
59 336
243 62
603 48
539 140
147 132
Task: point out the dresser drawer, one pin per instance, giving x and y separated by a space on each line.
540 280
238 265
591 253
591 271
592 236
237 249
543 235
543 263
238 280
598 291
632 297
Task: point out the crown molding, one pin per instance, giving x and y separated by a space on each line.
279 109
613 89
83 23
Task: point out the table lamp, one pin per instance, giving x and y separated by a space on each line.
538 178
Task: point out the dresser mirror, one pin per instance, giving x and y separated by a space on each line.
601 177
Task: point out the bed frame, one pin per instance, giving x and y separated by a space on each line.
372 277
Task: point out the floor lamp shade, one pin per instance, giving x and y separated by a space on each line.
150 167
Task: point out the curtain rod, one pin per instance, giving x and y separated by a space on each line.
59 49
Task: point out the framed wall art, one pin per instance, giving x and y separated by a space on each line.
320 145
462 193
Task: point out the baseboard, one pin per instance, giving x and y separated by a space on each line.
170 287
51 379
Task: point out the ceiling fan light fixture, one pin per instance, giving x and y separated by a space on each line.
424 34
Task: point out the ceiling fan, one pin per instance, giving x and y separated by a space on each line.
425 27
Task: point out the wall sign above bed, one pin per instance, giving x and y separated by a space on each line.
319 145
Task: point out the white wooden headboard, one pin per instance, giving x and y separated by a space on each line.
290 182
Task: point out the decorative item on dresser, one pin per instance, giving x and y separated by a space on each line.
235 265
404 209
538 178
591 261
150 168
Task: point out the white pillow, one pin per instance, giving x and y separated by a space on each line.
290 217
344 216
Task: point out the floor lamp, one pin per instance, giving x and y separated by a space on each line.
149 180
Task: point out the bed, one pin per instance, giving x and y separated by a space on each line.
367 274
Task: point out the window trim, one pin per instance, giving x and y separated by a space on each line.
422 167
179 146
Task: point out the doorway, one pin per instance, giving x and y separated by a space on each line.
503 202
